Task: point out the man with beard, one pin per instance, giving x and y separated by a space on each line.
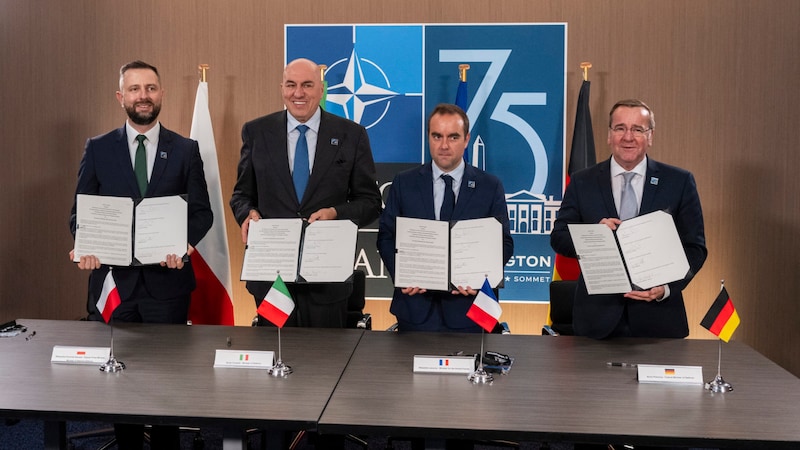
168 164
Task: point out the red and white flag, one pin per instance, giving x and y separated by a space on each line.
212 299
278 304
485 310
109 297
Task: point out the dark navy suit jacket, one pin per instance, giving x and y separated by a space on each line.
411 195
178 169
343 177
588 199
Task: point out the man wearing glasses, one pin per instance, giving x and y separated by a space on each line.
626 185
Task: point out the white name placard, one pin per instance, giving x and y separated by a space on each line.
244 359
444 364
63 354
649 373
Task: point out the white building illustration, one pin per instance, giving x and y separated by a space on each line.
530 213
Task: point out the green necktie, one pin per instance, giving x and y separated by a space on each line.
140 167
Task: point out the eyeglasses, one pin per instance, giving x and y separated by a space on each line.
637 132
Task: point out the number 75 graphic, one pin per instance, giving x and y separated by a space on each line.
497 60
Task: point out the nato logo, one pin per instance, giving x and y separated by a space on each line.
389 77
374 76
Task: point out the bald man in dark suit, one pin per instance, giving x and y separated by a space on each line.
341 184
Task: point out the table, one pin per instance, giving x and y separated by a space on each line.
170 378
561 389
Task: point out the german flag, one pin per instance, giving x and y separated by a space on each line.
722 318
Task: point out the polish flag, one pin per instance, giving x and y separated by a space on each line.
212 299
109 297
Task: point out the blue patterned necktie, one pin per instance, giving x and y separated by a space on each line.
628 206
301 171
449 202
140 165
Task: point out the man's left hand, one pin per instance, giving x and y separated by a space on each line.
323 214
656 293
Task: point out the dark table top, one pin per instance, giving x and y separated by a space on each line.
170 378
561 389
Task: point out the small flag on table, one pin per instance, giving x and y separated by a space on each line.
278 304
109 297
485 310
722 318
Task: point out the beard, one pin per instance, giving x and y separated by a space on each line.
142 118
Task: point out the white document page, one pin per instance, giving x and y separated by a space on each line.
652 249
422 251
104 229
599 258
476 252
329 250
273 246
161 229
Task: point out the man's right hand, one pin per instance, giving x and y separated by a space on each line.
413 290
86 262
254 215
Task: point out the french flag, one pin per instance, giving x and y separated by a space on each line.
109 297
485 310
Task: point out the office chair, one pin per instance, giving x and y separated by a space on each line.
562 295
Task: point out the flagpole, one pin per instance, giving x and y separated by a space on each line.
585 66
279 369
112 365
203 68
718 384
480 376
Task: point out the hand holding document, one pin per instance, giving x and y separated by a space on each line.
645 252
431 255
120 232
299 251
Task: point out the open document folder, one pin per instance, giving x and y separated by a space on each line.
644 252
122 231
439 255
321 252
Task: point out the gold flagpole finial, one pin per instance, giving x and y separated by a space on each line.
586 66
462 71
203 68
322 68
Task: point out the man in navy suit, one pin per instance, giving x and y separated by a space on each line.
150 293
595 195
419 193
340 182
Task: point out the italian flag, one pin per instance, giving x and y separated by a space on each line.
277 305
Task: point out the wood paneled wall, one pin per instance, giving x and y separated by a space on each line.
718 73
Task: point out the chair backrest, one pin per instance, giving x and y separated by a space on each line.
562 295
356 302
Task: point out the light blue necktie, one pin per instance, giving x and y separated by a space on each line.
301 171
449 201
628 206
140 165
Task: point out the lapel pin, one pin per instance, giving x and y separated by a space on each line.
654 181
163 155
471 184
334 141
